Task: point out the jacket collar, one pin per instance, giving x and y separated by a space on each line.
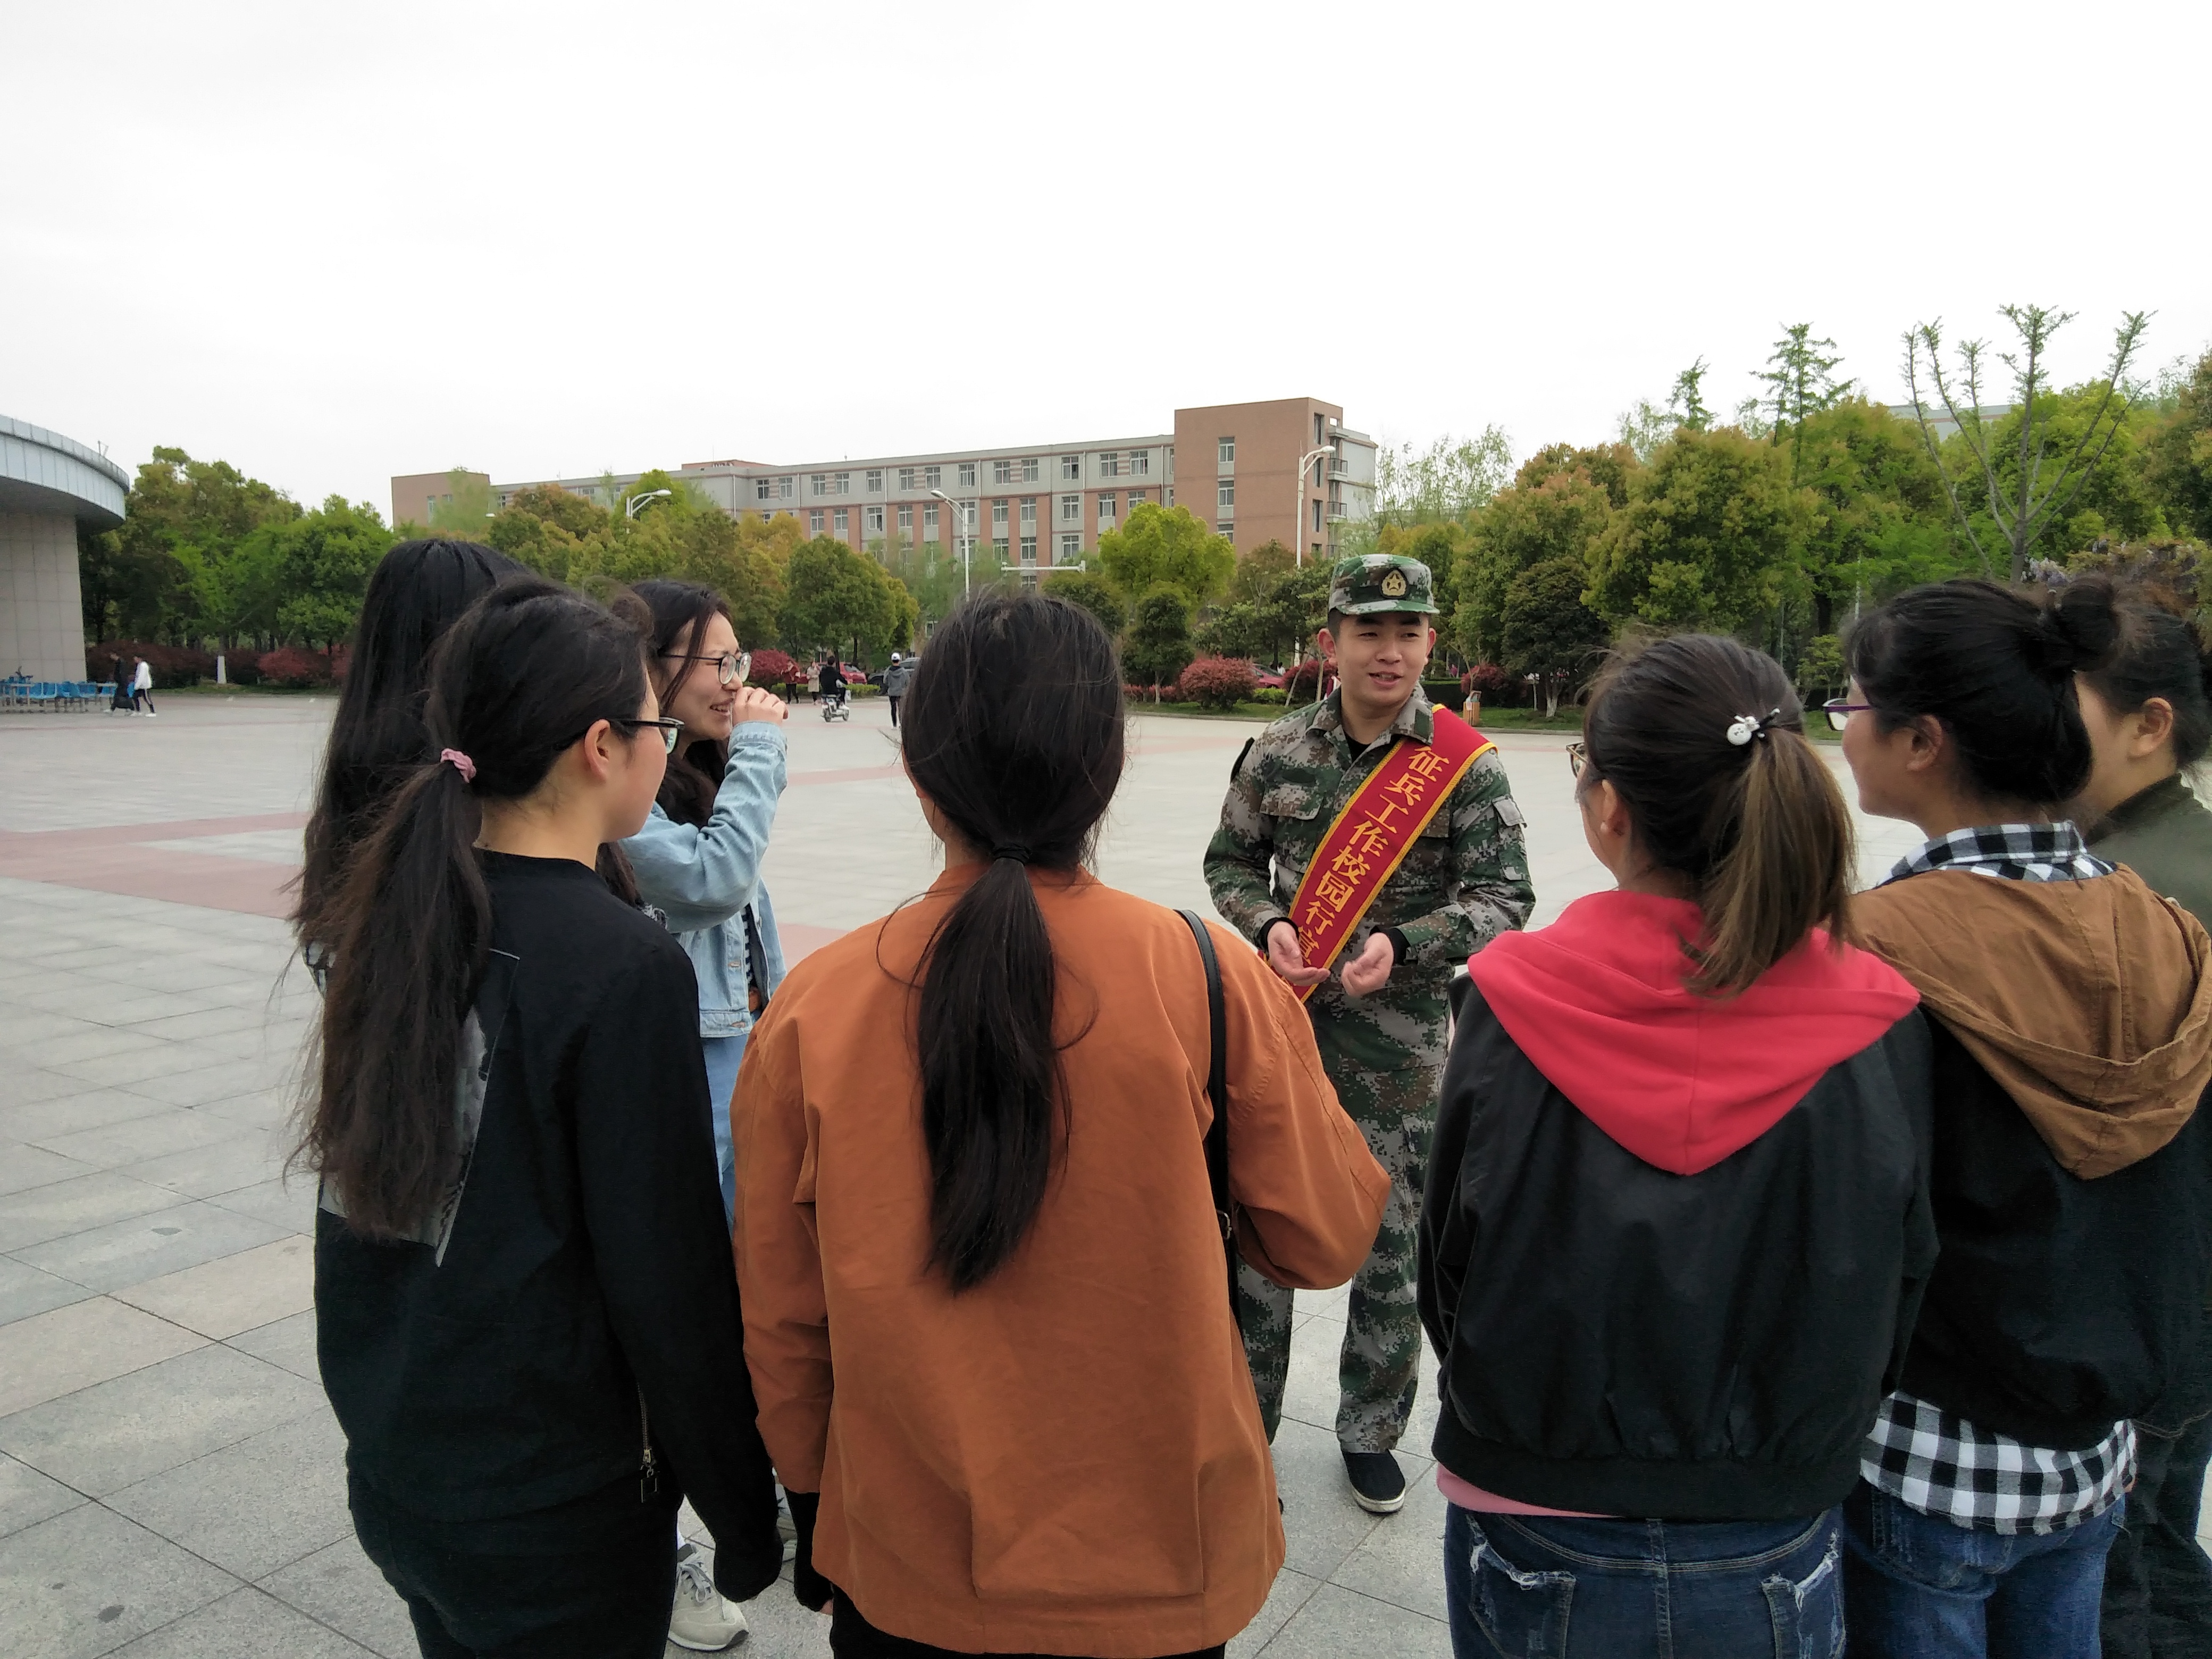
2168 795
1414 721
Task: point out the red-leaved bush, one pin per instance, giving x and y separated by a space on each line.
173 664
1489 681
1303 684
294 669
1217 682
772 669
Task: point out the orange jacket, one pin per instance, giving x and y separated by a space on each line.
1068 1458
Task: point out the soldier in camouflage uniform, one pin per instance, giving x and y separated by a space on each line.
1465 881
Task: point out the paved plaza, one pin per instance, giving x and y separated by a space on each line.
171 1478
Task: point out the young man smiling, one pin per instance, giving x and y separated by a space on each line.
1369 844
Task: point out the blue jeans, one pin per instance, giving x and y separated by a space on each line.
724 1055
1919 1587
1537 1587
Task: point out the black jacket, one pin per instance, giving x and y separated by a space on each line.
586 1288
1700 1329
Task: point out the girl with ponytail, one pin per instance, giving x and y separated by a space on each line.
526 1319
986 1307
2070 1009
1676 1222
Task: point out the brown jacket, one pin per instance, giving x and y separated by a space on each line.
1069 1457
2110 1068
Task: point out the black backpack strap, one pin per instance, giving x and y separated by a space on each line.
1216 1091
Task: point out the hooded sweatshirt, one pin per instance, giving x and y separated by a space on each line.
1671 1244
2072 1171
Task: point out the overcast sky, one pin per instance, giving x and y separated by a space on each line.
333 242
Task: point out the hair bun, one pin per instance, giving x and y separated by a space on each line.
2078 628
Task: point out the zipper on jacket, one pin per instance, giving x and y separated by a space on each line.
648 1473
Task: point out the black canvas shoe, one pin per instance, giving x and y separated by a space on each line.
1378 1484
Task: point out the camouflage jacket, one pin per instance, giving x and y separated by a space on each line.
1465 882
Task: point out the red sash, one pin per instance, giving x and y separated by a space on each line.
1371 836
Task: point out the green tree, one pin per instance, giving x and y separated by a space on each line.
1160 545
467 507
1258 570
322 564
1881 522
554 531
2027 483
835 598
1094 593
1645 427
136 580
1559 504
2177 454
1546 630
1706 537
1801 382
1158 648
1445 481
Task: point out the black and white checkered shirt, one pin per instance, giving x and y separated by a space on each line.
1936 1461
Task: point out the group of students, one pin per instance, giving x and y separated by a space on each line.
1795 1258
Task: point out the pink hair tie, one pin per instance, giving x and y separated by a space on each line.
462 764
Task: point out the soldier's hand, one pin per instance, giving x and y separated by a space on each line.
1288 961
1369 972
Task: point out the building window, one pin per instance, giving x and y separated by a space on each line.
1070 467
821 482
1029 549
1109 464
1071 507
1029 469
1227 447
1002 473
875 481
1105 507
814 521
1140 463
967 472
1167 497
844 484
997 515
1029 509
783 487
764 491
929 520
906 518
1316 518
1226 494
931 477
844 521
906 477
1136 499
968 510
999 546
1225 528
875 520
1071 549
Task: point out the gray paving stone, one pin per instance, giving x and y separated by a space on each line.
1320 1523
23 1167
103 1438
242 1291
224 1080
28 1497
1335 1622
144 1246
342 1587
78 1106
287 1342
134 1141
92 1042
254 1507
86 1581
128 1066
289 1205
25 1084
1289 1592
246 1624
46 1356
25 1291
257 1109
1401 1560
244 1156
65 1208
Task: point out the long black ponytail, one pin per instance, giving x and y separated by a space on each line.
524 674
1013 729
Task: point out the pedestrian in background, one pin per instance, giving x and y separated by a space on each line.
417 591
2149 724
1379 1019
1677 1222
526 1319
141 688
895 683
986 1305
2071 1008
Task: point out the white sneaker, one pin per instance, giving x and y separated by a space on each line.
701 1620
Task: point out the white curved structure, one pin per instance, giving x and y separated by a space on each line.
49 485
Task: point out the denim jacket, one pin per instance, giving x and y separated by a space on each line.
705 879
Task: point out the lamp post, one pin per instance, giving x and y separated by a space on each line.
960 530
1299 512
635 504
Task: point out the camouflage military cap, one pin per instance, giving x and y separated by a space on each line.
1368 582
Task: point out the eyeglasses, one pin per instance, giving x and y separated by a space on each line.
669 730
730 668
1839 713
1577 757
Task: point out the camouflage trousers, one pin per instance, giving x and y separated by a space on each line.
1379 1365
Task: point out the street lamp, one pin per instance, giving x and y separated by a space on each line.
635 504
1298 513
966 541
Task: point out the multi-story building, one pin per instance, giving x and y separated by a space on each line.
1288 470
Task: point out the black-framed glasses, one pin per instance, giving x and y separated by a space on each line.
1839 713
671 729
1577 758
731 667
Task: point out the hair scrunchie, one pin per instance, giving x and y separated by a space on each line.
1012 849
459 763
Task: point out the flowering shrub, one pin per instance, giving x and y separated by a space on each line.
1303 684
1217 682
773 670
294 669
1489 681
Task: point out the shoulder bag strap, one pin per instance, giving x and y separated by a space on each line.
1216 1091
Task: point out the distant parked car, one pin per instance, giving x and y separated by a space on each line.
1275 680
853 676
